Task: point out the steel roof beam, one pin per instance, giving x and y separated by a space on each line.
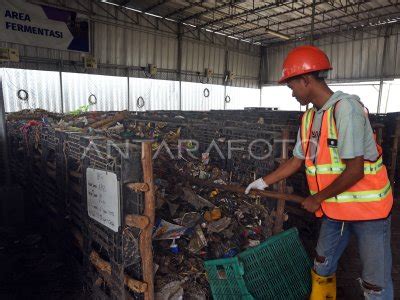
345 16
320 21
150 8
241 14
182 9
207 10
341 25
270 16
298 19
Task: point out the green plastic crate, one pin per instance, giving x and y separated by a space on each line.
226 279
279 268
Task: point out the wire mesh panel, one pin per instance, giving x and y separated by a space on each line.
120 249
18 158
31 89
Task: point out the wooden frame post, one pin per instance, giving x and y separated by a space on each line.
145 241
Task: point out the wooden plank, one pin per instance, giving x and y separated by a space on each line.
137 221
51 165
145 242
138 187
51 173
108 121
75 174
76 188
78 238
105 268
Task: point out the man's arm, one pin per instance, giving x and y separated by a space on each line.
351 175
284 171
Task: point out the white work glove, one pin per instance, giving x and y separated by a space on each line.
258 184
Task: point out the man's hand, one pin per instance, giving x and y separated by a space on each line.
311 204
258 184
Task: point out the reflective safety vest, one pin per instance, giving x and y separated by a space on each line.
369 199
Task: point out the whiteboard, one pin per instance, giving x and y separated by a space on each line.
103 202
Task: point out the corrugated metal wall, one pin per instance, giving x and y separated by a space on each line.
355 56
196 57
240 98
245 64
123 41
42 88
193 96
120 46
156 94
110 92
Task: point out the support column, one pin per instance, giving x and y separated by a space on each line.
262 71
378 110
225 74
127 77
179 66
61 87
3 135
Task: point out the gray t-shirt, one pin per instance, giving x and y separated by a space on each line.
355 135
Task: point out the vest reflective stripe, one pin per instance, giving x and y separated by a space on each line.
331 169
367 196
370 198
308 116
332 134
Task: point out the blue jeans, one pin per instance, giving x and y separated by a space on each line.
373 238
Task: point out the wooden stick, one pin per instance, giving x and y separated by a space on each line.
75 174
76 188
78 237
100 264
105 268
236 188
145 242
138 187
108 121
136 285
51 173
280 206
240 190
137 221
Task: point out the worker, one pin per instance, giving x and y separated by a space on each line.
349 187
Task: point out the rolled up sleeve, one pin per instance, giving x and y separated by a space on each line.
350 122
298 150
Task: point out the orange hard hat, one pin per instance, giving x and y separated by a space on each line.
303 60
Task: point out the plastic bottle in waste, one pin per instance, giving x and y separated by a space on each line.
174 247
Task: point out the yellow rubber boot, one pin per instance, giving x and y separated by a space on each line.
323 288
